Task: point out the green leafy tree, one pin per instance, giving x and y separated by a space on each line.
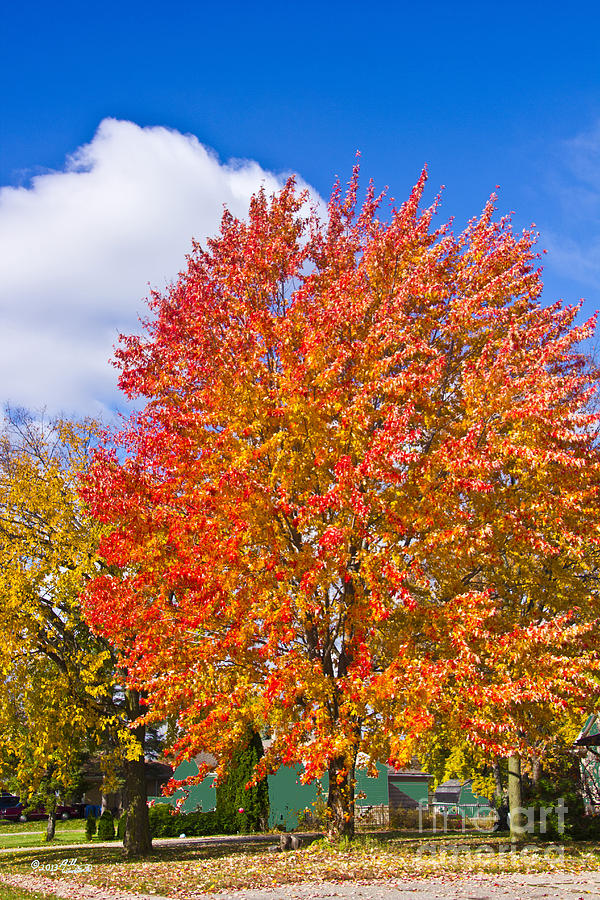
62 688
241 807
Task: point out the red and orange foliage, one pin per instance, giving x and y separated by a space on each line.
362 493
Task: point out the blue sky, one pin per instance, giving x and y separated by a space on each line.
486 94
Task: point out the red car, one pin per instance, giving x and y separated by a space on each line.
13 810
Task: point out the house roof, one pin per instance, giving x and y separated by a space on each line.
449 791
205 759
414 770
407 773
159 771
589 736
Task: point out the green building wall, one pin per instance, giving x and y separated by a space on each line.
470 804
289 797
374 789
408 790
199 796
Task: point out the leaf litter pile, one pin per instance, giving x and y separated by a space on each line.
192 872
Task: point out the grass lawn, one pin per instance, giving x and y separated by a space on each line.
40 825
31 834
13 893
36 839
179 871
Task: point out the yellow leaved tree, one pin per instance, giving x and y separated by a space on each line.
63 694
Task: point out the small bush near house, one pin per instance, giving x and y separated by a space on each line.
106 827
121 826
411 820
90 827
200 824
166 822
314 816
587 828
573 825
558 789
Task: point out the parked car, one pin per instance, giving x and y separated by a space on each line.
8 801
12 810
70 810
16 813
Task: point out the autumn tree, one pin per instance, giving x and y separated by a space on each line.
62 696
358 498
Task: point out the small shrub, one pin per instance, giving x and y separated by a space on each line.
576 826
165 821
121 826
414 819
314 817
586 828
305 819
106 826
560 785
90 827
455 822
344 844
200 824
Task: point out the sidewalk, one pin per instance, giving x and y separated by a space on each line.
559 886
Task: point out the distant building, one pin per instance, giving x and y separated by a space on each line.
455 797
157 775
289 799
587 747
408 788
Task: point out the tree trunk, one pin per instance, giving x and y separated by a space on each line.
51 824
498 794
137 840
340 800
536 770
517 818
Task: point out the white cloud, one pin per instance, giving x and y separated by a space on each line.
80 246
574 245
578 260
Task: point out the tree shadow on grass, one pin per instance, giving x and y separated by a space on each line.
109 856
